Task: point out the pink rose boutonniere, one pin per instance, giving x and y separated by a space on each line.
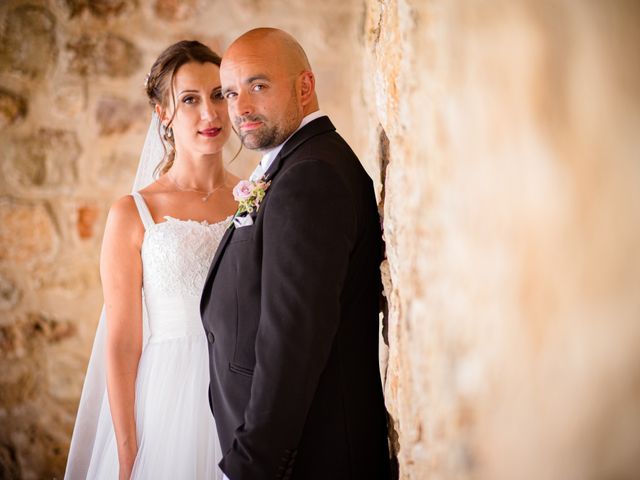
249 195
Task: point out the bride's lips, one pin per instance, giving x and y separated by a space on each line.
210 132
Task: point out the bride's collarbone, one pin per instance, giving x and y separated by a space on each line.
180 207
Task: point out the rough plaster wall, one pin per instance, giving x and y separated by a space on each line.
72 121
508 131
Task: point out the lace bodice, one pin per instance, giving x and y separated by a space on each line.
176 255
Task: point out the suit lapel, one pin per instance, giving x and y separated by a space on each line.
313 128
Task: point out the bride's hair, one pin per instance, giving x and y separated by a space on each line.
159 87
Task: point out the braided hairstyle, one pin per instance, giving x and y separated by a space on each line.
160 89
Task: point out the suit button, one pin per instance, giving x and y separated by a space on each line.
210 337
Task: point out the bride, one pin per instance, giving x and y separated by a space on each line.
152 420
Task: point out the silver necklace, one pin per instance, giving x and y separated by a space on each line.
207 194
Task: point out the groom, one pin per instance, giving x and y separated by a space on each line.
290 306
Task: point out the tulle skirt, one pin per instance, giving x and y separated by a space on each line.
176 432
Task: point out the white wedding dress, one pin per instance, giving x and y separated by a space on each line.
176 432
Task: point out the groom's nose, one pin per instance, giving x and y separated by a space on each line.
242 105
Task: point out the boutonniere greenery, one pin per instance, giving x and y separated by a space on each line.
249 195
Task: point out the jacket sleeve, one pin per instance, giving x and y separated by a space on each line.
309 231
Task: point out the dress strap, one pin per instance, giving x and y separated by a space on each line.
143 210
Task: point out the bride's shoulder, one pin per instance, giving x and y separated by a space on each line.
125 206
123 215
123 232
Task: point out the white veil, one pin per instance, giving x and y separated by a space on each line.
94 401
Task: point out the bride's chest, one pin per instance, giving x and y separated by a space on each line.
176 255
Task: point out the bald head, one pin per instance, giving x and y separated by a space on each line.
269 86
273 41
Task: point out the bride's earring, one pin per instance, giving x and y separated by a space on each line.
167 133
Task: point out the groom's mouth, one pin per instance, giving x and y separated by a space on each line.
210 132
250 125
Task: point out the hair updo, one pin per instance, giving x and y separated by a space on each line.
160 90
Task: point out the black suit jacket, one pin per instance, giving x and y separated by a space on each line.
291 312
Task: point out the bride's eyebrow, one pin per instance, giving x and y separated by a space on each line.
187 91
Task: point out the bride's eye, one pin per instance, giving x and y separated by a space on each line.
188 100
217 95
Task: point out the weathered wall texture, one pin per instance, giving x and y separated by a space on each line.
508 131
72 121
503 138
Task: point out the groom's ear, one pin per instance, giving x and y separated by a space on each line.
307 87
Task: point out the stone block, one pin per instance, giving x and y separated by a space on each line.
34 409
175 10
116 56
65 377
87 217
46 158
70 97
28 43
13 107
116 115
103 54
32 333
41 452
118 168
68 278
18 384
99 8
44 329
28 232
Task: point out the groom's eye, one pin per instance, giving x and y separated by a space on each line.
258 87
230 95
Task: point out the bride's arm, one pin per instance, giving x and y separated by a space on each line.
121 273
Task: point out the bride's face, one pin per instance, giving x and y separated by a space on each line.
201 122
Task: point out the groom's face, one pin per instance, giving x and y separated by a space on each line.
261 95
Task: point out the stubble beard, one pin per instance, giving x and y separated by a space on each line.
264 138
269 135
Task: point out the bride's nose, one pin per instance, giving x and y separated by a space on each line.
207 111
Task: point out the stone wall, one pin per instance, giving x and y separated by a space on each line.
502 137
507 136
73 116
